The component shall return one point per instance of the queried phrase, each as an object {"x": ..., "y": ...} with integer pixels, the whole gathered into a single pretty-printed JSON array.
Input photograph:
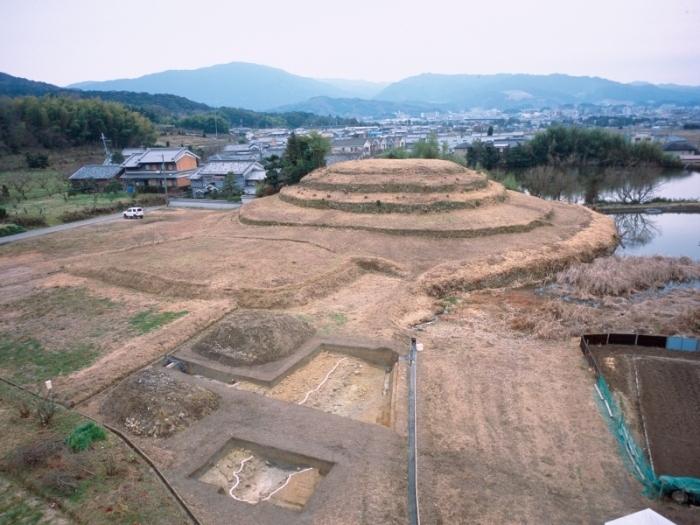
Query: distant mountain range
[
  {"x": 152, "y": 104},
  {"x": 258, "y": 87},
  {"x": 505, "y": 91},
  {"x": 237, "y": 84}
]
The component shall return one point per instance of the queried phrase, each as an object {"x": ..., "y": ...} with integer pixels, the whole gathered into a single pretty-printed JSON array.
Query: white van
[{"x": 134, "y": 213}]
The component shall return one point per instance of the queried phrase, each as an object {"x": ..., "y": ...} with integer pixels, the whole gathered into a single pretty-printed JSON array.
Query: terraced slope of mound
[{"x": 407, "y": 197}]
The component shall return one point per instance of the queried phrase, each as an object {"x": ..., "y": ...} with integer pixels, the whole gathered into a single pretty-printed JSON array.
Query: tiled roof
[
  {"x": 155, "y": 175},
  {"x": 349, "y": 142},
  {"x": 228, "y": 166},
  {"x": 155, "y": 155},
  {"x": 97, "y": 172}
]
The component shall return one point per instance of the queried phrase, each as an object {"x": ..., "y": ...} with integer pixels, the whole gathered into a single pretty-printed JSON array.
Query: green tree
[
  {"x": 230, "y": 188},
  {"x": 273, "y": 169},
  {"x": 117, "y": 157},
  {"x": 112, "y": 188},
  {"x": 427, "y": 148},
  {"x": 303, "y": 155}
]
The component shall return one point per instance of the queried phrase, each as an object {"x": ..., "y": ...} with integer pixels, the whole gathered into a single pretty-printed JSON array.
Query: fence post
[{"x": 413, "y": 511}]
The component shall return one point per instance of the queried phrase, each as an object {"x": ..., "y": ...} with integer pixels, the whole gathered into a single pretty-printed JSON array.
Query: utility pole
[
  {"x": 165, "y": 179},
  {"x": 108, "y": 153}
]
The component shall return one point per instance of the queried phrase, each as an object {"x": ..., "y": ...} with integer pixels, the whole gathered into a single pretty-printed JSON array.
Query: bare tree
[
  {"x": 20, "y": 182},
  {"x": 635, "y": 186},
  {"x": 635, "y": 229}
]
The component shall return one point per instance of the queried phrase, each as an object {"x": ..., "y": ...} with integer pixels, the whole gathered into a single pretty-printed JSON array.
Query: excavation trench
[
  {"x": 338, "y": 383},
  {"x": 252, "y": 474}
]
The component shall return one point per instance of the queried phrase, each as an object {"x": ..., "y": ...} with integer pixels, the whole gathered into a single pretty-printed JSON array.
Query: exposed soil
[
  {"x": 152, "y": 403},
  {"x": 253, "y": 338},
  {"x": 340, "y": 384},
  {"x": 251, "y": 478},
  {"x": 670, "y": 404},
  {"x": 509, "y": 430}
]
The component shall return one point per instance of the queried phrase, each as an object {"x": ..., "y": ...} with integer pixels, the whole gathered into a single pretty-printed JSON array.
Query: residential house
[
  {"x": 159, "y": 168},
  {"x": 679, "y": 147},
  {"x": 95, "y": 175},
  {"x": 210, "y": 178},
  {"x": 351, "y": 145}
]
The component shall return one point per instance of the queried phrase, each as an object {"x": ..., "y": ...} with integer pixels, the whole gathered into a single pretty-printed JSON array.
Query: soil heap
[
  {"x": 407, "y": 197},
  {"x": 152, "y": 403},
  {"x": 247, "y": 338}
]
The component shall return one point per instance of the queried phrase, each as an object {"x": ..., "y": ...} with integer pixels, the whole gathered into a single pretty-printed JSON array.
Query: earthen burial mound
[
  {"x": 247, "y": 338},
  {"x": 407, "y": 197}
]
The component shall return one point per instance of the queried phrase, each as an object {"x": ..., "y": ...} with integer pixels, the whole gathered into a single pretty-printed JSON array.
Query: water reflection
[
  {"x": 671, "y": 234},
  {"x": 635, "y": 229},
  {"x": 589, "y": 184}
]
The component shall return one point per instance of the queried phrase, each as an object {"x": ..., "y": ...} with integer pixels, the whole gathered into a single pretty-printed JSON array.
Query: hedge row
[
  {"x": 87, "y": 213},
  {"x": 10, "y": 229}
]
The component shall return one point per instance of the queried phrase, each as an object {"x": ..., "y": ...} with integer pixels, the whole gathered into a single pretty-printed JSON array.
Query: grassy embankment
[{"x": 57, "y": 331}]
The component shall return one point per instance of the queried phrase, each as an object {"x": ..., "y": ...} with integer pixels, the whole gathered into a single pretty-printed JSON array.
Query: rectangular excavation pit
[
  {"x": 253, "y": 473},
  {"x": 339, "y": 377},
  {"x": 336, "y": 382}
]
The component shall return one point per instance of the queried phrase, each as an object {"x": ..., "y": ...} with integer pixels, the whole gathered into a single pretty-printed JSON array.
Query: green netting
[{"x": 634, "y": 456}]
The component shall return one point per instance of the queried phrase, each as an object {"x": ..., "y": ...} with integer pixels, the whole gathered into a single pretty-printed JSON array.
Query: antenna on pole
[{"x": 108, "y": 153}]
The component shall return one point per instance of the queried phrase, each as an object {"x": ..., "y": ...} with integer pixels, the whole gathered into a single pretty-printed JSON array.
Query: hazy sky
[{"x": 65, "y": 41}]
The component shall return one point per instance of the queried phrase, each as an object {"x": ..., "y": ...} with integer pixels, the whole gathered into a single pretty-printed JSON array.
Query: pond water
[
  {"x": 587, "y": 185},
  {"x": 672, "y": 234}
]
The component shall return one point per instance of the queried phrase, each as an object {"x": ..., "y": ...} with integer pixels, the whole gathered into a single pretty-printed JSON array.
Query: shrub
[
  {"x": 84, "y": 435},
  {"x": 29, "y": 221},
  {"x": 38, "y": 160},
  {"x": 86, "y": 213},
  {"x": 3, "y": 213},
  {"x": 146, "y": 199},
  {"x": 45, "y": 411},
  {"x": 10, "y": 229},
  {"x": 75, "y": 215},
  {"x": 30, "y": 456}
]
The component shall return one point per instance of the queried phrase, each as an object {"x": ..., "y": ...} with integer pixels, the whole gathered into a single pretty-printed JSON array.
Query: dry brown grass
[
  {"x": 674, "y": 313},
  {"x": 522, "y": 266},
  {"x": 626, "y": 275}
]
